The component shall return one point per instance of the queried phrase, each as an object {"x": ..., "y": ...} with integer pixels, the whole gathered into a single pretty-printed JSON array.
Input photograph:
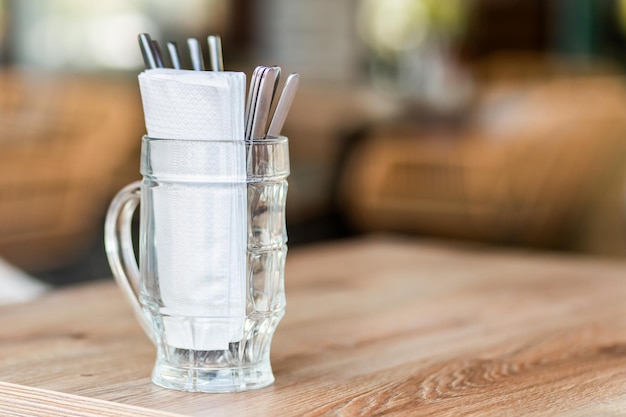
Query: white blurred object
[
  {"x": 411, "y": 44},
  {"x": 17, "y": 286},
  {"x": 84, "y": 35},
  {"x": 391, "y": 26}
]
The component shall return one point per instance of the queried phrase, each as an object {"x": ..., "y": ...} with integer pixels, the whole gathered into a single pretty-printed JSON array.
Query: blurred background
[{"x": 497, "y": 121}]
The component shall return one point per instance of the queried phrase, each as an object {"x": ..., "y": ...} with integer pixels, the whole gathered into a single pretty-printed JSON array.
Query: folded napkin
[
  {"x": 200, "y": 204},
  {"x": 203, "y": 105}
]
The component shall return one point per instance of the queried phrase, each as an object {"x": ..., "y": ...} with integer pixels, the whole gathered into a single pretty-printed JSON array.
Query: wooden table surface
[{"x": 373, "y": 326}]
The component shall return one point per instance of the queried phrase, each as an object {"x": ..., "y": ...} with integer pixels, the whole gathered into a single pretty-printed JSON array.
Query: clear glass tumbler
[{"x": 209, "y": 287}]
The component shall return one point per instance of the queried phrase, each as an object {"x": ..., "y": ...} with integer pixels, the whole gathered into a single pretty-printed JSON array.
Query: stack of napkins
[
  {"x": 200, "y": 204},
  {"x": 203, "y": 105}
]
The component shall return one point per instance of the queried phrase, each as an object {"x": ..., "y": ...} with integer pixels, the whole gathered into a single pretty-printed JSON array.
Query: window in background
[
  {"x": 314, "y": 38},
  {"x": 80, "y": 35}
]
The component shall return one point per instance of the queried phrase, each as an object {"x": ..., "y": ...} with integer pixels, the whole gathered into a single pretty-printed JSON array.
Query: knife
[
  {"x": 197, "y": 62},
  {"x": 145, "y": 44},
  {"x": 156, "y": 51}
]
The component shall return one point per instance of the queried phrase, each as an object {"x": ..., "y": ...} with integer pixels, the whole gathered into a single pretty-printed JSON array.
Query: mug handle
[{"x": 119, "y": 248}]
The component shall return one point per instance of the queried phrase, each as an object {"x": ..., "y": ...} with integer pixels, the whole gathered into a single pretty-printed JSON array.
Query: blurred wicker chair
[
  {"x": 545, "y": 166},
  {"x": 64, "y": 141}
]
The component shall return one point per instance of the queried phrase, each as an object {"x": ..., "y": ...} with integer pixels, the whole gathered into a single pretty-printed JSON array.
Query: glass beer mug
[{"x": 209, "y": 287}]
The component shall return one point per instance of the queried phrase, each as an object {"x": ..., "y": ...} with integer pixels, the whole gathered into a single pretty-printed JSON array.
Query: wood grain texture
[
  {"x": 18, "y": 400},
  {"x": 374, "y": 326}
]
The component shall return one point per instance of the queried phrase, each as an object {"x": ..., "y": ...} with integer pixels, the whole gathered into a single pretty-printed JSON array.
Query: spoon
[
  {"x": 264, "y": 102},
  {"x": 255, "y": 88},
  {"x": 284, "y": 104}
]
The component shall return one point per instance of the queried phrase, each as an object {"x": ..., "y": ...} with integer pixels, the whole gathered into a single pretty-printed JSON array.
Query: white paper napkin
[
  {"x": 182, "y": 104},
  {"x": 200, "y": 227}
]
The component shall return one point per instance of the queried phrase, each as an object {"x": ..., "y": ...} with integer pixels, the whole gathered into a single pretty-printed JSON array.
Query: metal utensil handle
[
  {"x": 253, "y": 80},
  {"x": 215, "y": 53},
  {"x": 254, "y": 97},
  {"x": 195, "y": 51},
  {"x": 264, "y": 103},
  {"x": 284, "y": 104},
  {"x": 145, "y": 44},
  {"x": 172, "y": 48},
  {"x": 156, "y": 51},
  {"x": 277, "y": 71}
]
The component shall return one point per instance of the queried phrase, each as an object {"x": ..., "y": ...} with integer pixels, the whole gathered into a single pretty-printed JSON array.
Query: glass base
[{"x": 215, "y": 380}]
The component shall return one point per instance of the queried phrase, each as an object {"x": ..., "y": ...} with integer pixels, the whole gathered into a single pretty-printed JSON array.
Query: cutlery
[
  {"x": 215, "y": 53},
  {"x": 261, "y": 93},
  {"x": 257, "y": 76},
  {"x": 248, "y": 109},
  {"x": 276, "y": 68},
  {"x": 197, "y": 62},
  {"x": 264, "y": 103},
  {"x": 174, "y": 56},
  {"x": 284, "y": 104},
  {"x": 145, "y": 44},
  {"x": 156, "y": 51}
]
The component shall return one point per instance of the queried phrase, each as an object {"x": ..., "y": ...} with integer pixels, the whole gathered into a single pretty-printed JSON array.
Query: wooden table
[{"x": 373, "y": 326}]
